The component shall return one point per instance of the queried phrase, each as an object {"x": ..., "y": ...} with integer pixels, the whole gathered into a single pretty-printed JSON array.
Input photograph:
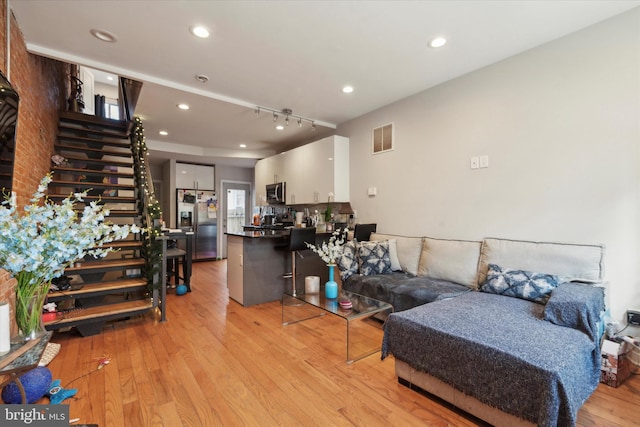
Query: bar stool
[
  {"x": 298, "y": 238},
  {"x": 174, "y": 257},
  {"x": 362, "y": 232}
]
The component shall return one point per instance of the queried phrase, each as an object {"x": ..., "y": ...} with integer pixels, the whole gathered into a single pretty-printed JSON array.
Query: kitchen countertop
[{"x": 253, "y": 234}]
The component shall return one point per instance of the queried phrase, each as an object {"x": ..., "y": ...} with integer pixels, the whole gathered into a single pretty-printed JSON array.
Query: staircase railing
[{"x": 150, "y": 209}]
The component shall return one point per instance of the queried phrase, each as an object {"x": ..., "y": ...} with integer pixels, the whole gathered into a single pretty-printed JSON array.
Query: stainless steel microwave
[{"x": 276, "y": 193}]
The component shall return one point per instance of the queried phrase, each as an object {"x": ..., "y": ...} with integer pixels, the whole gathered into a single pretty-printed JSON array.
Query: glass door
[{"x": 236, "y": 212}]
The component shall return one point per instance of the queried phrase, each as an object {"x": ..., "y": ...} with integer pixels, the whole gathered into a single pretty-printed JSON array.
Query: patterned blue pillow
[
  {"x": 522, "y": 284},
  {"x": 348, "y": 261},
  {"x": 373, "y": 257}
]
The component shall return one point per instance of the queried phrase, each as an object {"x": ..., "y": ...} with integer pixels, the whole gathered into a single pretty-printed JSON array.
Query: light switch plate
[{"x": 484, "y": 161}]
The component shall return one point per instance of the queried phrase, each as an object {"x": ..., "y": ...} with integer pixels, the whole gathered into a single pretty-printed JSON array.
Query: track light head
[
  {"x": 313, "y": 126},
  {"x": 275, "y": 117}
]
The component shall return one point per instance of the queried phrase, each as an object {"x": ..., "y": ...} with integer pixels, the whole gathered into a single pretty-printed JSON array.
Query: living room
[{"x": 560, "y": 127}]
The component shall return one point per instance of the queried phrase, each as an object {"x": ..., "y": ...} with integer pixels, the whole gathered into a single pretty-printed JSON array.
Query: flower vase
[
  {"x": 331, "y": 287},
  {"x": 29, "y": 311}
]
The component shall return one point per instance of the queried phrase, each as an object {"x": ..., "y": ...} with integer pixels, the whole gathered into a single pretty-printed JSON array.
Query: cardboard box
[{"x": 615, "y": 366}]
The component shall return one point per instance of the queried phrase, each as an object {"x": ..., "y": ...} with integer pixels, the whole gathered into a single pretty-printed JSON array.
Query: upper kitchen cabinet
[
  {"x": 200, "y": 177},
  {"x": 310, "y": 172},
  {"x": 326, "y": 171},
  {"x": 270, "y": 170}
]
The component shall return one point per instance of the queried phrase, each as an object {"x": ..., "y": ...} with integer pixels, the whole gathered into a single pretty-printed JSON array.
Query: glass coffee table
[{"x": 359, "y": 343}]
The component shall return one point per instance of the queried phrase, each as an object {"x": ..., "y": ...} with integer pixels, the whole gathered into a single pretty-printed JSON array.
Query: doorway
[{"x": 236, "y": 210}]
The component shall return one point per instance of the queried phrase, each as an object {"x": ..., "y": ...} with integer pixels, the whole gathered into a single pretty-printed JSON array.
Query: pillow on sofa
[
  {"x": 575, "y": 261},
  {"x": 373, "y": 257},
  {"x": 348, "y": 261},
  {"x": 408, "y": 249},
  {"x": 536, "y": 287},
  {"x": 451, "y": 260}
]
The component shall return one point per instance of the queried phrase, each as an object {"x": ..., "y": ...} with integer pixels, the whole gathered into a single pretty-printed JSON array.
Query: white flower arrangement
[
  {"x": 331, "y": 250},
  {"x": 37, "y": 245}
]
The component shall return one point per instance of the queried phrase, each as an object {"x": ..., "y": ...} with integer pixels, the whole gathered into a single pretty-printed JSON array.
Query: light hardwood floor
[{"x": 216, "y": 363}]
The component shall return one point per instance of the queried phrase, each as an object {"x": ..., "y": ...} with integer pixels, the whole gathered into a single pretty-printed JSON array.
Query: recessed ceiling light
[
  {"x": 437, "y": 42},
  {"x": 243, "y": 145},
  {"x": 110, "y": 78},
  {"x": 163, "y": 133},
  {"x": 202, "y": 78},
  {"x": 279, "y": 127},
  {"x": 183, "y": 106},
  {"x": 103, "y": 35},
  {"x": 347, "y": 89},
  {"x": 199, "y": 31}
]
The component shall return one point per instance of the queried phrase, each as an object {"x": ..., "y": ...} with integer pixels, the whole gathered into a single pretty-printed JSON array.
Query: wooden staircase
[{"x": 99, "y": 159}]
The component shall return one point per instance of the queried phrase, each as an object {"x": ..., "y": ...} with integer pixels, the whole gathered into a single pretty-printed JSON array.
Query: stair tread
[
  {"x": 112, "y": 285},
  {"x": 92, "y": 172},
  {"x": 105, "y": 162},
  {"x": 103, "y": 198},
  {"x": 113, "y": 141},
  {"x": 123, "y": 244},
  {"x": 120, "y": 308},
  {"x": 105, "y": 263},
  {"x": 66, "y": 147},
  {"x": 89, "y": 119},
  {"x": 93, "y": 184}
]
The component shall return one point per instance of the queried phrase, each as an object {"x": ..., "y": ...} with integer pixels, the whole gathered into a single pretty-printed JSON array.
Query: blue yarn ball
[
  {"x": 36, "y": 383},
  {"x": 181, "y": 289}
]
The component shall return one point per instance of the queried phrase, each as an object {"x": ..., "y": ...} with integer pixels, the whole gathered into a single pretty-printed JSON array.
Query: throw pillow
[
  {"x": 373, "y": 258},
  {"x": 520, "y": 284},
  {"x": 348, "y": 261}
]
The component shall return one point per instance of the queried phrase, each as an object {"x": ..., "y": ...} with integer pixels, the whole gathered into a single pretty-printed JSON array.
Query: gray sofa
[
  {"x": 422, "y": 270},
  {"x": 511, "y": 351}
]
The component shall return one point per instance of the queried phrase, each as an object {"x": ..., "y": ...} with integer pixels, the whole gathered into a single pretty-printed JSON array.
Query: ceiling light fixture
[
  {"x": 288, "y": 115},
  {"x": 163, "y": 133},
  {"x": 110, "y": 78},
  {"x": 103, "y": 35},
  {"x": 437, "y": 42},
  {"x": 347, "y": 89},
  {"x": 202, "y": 78},
  {"x": 243, "y": 145},
  {"x": 199, "y": 31},
  {"x": 183, "y": 106}
]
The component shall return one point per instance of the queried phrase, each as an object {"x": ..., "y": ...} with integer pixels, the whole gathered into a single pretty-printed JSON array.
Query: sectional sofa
[{"x": 511, "y": 334}]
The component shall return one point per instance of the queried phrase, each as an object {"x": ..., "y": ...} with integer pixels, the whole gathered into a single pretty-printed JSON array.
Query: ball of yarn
[
  {"x": 181, "y": 289},
  {"x": 36, "y": 383}
]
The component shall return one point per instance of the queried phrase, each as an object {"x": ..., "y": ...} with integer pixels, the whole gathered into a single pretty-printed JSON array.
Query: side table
[{"x": 22, "y": 358}]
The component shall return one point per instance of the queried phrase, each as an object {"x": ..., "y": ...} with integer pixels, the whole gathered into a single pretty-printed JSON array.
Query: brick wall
[{"x": 41, "y": 84}]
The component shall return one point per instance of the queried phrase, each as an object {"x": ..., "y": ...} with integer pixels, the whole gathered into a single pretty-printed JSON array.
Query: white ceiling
[{"x": 286, "y": 54}]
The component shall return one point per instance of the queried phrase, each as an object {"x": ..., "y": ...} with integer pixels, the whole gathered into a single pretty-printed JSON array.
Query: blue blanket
[{"x": 501, "y": 351}]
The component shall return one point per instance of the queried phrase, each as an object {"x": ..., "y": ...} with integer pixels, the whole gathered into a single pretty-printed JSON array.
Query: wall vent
[{"x": 383, "y": 138}]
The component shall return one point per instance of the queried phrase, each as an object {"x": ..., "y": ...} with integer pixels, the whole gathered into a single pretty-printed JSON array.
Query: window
[{"x": 383, "y": 138}]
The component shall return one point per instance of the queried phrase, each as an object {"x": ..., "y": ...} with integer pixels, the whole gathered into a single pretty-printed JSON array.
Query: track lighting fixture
[{"x": 288, "y": 114}]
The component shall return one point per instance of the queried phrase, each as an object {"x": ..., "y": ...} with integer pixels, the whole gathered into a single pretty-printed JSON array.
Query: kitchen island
[{"x": 257, "y": 261}]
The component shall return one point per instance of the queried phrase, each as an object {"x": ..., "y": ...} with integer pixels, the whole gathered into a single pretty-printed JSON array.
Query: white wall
[{"x": 561, "y": 126}]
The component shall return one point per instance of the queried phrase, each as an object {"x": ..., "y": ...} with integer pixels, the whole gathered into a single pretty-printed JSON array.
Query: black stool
[
  {"x": 362, "y": 232},
  {"x": 298, "y": 238},
  {"x": 174, "y": 256}
]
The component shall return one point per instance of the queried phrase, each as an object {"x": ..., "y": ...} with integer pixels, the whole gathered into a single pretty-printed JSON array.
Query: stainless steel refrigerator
[{"x": 197, "y": 211}]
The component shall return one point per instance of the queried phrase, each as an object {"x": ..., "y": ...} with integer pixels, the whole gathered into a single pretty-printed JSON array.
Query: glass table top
[{"x": 362, "y": 306}]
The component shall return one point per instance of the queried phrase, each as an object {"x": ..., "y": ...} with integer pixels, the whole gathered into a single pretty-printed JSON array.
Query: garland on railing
[{"x": 149, "y": 206}]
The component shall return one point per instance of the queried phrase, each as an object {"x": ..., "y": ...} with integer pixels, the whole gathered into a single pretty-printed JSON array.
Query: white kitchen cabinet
[
  {"x": 310, "y": 172},
  {"x": 320, "y": 168},
  {"x": 199, "y": 177},
  {"x": 270, "y": 170}
]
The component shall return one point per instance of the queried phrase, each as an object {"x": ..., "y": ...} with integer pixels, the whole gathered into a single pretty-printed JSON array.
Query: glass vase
[
  {"x": 29, "y": 302},
  {"x": 331, "y": 287}
]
